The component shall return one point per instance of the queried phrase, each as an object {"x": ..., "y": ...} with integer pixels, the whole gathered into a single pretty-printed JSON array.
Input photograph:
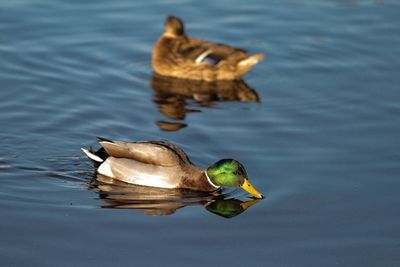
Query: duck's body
[
  {"x": 177, "y": 55},
  {"x": 150, "y": 163},
  {"x": 164, "y": 165}
]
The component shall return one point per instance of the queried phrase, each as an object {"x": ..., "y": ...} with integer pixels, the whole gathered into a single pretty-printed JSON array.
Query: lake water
[{"x": 317, "y": 125}]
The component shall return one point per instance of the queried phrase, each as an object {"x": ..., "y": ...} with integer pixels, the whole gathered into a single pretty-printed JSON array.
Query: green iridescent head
[{"x": 229, "y": 172}]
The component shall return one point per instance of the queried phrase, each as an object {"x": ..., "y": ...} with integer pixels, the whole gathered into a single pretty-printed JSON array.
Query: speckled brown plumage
[{"x": 177, "y": 55}]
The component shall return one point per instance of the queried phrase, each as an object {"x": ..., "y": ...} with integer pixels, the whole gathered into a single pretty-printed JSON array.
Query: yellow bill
[{"x": 250, "y": 189}]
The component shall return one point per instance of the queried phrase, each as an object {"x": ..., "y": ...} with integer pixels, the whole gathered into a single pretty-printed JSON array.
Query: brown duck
[{"x": 177, "y": 55}]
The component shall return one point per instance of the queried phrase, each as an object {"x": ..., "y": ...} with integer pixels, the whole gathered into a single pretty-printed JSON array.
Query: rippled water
[{"x": 316, "y": 124}]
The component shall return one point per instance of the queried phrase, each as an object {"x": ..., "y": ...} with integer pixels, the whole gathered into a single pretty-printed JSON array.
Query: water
[{"x": 318, "y": 132}]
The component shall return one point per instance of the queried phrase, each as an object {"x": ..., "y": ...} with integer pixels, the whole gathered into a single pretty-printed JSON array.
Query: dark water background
[{"x": 322, "y": 144}]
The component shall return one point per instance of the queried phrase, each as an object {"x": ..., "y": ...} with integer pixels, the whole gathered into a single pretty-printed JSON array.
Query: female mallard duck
[
  {"x": 165, "y": 165},
  {"x": 177, "y": 55}
]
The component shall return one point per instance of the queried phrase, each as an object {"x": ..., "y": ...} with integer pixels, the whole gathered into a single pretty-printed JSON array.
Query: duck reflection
[
  {"x": 171, "y": 95},
  {"x": 160, "y": 202}
]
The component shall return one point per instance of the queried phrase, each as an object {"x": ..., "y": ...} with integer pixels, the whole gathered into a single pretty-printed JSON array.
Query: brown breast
[{"x": 195, "y": 179}]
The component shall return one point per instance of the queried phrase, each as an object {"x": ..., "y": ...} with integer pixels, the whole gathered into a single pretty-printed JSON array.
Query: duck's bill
[{"x": 250, "y": 189}]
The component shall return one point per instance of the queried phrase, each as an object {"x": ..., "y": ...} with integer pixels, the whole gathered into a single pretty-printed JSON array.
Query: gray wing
[{"x": 151, "y": 152}]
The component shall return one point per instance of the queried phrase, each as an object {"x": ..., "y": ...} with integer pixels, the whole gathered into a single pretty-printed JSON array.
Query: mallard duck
[
  {"x": 177, "y": 55},
  {"x": 164, "y": 165}
]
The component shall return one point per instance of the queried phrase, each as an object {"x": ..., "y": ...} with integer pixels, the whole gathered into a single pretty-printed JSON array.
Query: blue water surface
[{"x": 318, "y": 132}]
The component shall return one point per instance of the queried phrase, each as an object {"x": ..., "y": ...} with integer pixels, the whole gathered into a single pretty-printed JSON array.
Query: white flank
[
  {"x": 91, "y": 155},
  {"x": 134, "y": 172},
  {"x": 105, "y": 169}
]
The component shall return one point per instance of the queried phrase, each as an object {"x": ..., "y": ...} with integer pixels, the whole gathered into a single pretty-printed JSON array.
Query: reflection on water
[
  {"x": 170, "y": 126},
  {"x": 159, "y": 201},
  {"x": 171, "y": 96}
]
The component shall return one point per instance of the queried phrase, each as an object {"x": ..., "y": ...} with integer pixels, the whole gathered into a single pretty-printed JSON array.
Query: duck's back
[
  {"x": 151, "y": 163},
  {"x": 196, "y": 59},
  {"x": 175, "y": 57}
]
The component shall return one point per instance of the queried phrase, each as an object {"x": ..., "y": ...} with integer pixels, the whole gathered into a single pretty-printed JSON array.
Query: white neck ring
[{"x": 209, "y": 180}]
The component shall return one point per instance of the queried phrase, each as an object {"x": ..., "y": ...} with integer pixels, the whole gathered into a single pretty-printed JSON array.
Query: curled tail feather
[{"x": 92, "y": 155}]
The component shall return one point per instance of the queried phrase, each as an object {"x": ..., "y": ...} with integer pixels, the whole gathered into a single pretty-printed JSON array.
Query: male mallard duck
[
  {"x": 165, "y": 165},
  {"x": 177, "y": 55}
]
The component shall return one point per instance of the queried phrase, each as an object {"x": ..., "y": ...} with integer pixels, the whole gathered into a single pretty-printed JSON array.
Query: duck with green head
[{"x": 164, "y": 165}]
